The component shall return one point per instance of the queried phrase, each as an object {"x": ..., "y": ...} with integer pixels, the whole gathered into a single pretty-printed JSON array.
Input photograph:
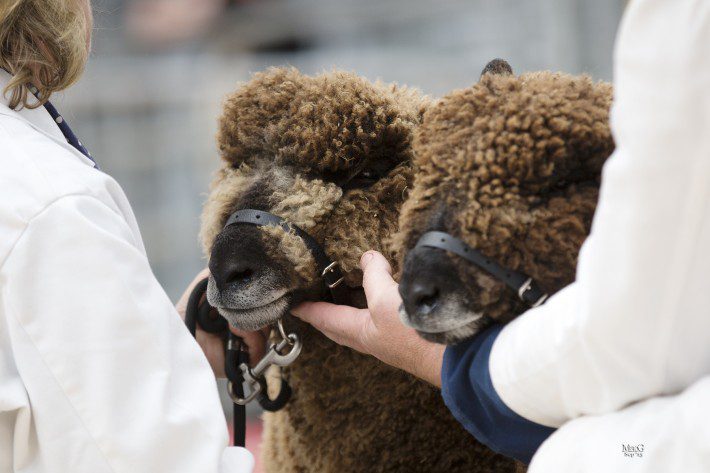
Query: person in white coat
[
  {"x": 619, "y": 361},
  {"x": 97, "y": 371}
]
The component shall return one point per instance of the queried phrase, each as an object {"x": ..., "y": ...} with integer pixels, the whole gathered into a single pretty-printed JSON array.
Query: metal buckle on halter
[
  {"x": 255, "y": 377},
  {"x": 330, "y": 269},
  {"x": 527, "y": 285}
]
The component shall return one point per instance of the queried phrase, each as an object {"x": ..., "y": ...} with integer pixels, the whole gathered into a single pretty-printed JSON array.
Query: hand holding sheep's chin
[
  {"x": 212, "y": 344},
  {"x": 377, "y": 330}
]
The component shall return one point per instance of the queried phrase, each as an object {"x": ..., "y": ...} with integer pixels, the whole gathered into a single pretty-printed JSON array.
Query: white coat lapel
[{"x": 37, "y": 118}]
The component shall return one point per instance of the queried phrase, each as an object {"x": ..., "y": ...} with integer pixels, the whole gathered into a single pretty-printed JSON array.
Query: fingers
[
  {"x": 342, "y": 324},
  {"x": 181, "y": 305},
  {"x": 380, "y": 289},
  {"x": 200, "y": 276},
  {"x": 255, "y": 341},
  {"x": 213, "y": 349}
]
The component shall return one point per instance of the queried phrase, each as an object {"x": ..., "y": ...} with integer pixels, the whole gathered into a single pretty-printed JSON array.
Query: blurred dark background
[{"x": 148, "y": 103}]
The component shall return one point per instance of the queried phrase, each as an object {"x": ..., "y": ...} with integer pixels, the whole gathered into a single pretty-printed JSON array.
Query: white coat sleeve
[
  {"x": 114, "y": 380},
  {"x": 662, "y": 434},
  {"x": 635, "y": 323}
]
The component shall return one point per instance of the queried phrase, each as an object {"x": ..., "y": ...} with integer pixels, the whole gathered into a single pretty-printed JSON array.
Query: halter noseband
[
  {"x": 238, "y": 371},
  {"x": 328, "y": 269},
  {"x": 523, "y": 285}
]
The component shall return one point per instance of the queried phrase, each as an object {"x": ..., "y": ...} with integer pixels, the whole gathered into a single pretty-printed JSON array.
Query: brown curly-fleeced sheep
[
  {"x": 331, "y": 153},
  {"x": 512, "y": 167}
]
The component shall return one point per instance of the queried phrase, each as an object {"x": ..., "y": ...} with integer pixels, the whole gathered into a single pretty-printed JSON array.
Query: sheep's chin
[
  {"x": 256, "y": 318},
  {"x": 450, "y": 325},
  {"x": 451, "y": 337}
]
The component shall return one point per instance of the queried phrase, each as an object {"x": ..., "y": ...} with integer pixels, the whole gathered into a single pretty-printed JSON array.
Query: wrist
[{"x": 426, "y": 362}]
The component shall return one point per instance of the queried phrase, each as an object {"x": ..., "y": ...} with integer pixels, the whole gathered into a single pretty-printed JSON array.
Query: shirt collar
[{"x": 39, "y": 118}]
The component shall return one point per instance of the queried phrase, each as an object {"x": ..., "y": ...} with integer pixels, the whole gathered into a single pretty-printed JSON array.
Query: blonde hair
[{"x": 43, "y": 43}]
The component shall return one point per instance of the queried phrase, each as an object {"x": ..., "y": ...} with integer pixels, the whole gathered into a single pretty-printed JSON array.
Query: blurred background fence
[{"x": 148, "y": 104}]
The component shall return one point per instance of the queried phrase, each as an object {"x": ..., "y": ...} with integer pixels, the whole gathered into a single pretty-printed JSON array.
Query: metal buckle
[
  {"x": 254, "y": 377},
  {"x": 540, "y": 301},
  {"x": 282, "y": 332},
  {"x": 526, "y": 287},
  {"x": 329, "y": 269}
]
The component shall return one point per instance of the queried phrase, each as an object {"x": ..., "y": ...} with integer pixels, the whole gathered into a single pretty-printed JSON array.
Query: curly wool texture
[
  {"x": 365, "y": 219},
  {"x": 227, "y": 185},
  {"x": 328, "y": 123},
  {"x": 349, "y": 412},
  {"x": 512, "y": 166},
  {"x": 303, "y": 202},
  {"x": 289, "y": 246},
  {"x": 306, "y": 202}
]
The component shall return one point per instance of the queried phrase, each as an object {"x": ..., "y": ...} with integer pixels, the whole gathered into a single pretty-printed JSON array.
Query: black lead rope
[
  {"x": 200, "y": 313},
  {"x": 523, "y": 285},
  {"x": 236, "y": 355}
]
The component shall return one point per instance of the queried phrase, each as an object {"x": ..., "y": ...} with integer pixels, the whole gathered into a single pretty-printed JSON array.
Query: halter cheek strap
[
  {"x": 328, "y": 269},
  {"x": 523, "y": 285}
]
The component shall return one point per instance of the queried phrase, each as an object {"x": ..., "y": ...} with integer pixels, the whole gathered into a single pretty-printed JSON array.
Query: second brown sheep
[{"x": 512, "y": 167}]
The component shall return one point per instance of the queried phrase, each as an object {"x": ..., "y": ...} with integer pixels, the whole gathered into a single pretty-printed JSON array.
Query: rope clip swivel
[{"x": 255, "y": 378}]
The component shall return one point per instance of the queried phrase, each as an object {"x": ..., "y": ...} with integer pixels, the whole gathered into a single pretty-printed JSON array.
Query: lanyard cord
[
  {"x": 64, "y": 127},
  {"x": 67, "y": 132}
]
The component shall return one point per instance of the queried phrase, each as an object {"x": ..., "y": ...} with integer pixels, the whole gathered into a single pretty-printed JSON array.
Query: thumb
[{"x": 377, "y": 281}]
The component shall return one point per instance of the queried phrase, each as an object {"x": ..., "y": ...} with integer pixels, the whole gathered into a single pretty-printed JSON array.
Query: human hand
[
  {"x": 212, "y": 344},
  {"x": 377, "y": 330}
]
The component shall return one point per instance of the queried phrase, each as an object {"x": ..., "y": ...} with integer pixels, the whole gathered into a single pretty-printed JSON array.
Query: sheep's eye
[{"x": 362, "y": 180}]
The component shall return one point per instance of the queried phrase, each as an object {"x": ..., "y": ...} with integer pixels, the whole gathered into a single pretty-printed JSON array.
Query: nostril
[
  {"x": 424, "y": 297},
  {"x": 426, "y": 303},
  {"x": 239, "y": 276}
]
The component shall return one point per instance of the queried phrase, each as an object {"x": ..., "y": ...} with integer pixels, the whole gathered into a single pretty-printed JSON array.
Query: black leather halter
[
  {"x": 526, "y": 288},
  {"x": 199, "y": 313},
  {"x": 328, "y": 270}
]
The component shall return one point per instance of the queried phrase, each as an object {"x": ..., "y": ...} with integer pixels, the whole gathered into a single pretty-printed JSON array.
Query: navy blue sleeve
[{"x": 468, "y": 392}]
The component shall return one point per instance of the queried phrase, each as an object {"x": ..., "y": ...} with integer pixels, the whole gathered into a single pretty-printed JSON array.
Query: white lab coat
[
  {"x": 636, "y": 323},
  {"x": 97, "y": 372}
]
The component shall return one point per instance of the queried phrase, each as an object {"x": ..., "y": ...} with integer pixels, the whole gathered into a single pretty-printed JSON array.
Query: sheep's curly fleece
[
  {"x": 512, "y": 166},
  {"x": 349, "y": 412}
]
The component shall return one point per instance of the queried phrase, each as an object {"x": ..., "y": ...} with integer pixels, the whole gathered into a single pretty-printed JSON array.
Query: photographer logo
[{"x": 632, "y": 451}]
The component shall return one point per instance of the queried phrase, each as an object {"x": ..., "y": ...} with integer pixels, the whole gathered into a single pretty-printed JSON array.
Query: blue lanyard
[
  {"x": 65, "y": 129},
  {"x": 68, "y": 133}
]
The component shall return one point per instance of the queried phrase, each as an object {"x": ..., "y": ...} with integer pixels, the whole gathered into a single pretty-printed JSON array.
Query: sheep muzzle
[
  {"x": 248, "y": 285},
  {"x": 242, "y": 278},
  {"x": 435, "y": 302}
]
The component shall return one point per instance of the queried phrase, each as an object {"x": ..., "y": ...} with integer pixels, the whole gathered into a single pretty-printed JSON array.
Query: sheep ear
[{"x": 497, "y": 67}]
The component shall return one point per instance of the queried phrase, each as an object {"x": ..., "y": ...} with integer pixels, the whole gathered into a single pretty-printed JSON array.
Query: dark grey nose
[
  {"x": 238, "y": 259},
  {"x": 421, "y": 296},
  {"x": 428, "y": 280},
  {"x": 232, "y": 272}
]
